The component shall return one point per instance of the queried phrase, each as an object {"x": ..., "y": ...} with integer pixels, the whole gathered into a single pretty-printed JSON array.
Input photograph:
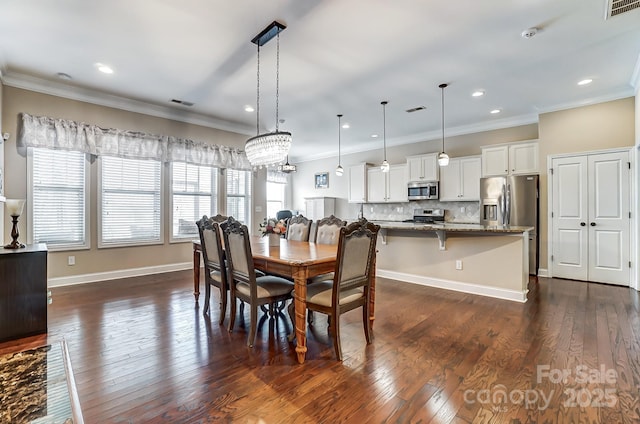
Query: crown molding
[
  {"x": 59, "y": 89},
  {"x": 608, "y": 97},
  {"x": 635, "y": 77}
]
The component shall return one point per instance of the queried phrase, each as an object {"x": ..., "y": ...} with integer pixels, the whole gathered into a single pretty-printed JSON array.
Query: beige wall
[
  {"x": 602, "y": 126},
  {"x": 96, "y": 260}
]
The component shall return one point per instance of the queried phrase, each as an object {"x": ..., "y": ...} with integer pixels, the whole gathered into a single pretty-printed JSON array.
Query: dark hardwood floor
[{"x": 143, "y": 353}]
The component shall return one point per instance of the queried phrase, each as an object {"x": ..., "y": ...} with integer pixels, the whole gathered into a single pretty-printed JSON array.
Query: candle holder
[{"x": 14, "y": 207}]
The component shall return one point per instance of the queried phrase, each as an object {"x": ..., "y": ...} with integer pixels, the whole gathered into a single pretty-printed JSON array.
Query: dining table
[{"x": 295, "y": 260}]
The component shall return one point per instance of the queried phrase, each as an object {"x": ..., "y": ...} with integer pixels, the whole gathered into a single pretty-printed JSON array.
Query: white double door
[{"x": 591, "y": 218}]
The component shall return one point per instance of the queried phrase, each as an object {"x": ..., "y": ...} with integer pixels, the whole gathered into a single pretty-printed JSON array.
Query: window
[
  {"x": 130, "y": 202},
  {"x": 194, "y": 193},
  {"x": 275, "y": 198},
  {"x": 57, "y": 201},
  {"x": 239, "y": 195}
]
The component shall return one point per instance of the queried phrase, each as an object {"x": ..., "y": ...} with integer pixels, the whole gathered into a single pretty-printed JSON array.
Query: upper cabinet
[
  {"x": 387, "y": 187},
  {"x": 423, "y": 167},
  {"x": 510, "y": 159},
  {"x": 357, "y": 183},
  {"x": 460, "y": 180}
]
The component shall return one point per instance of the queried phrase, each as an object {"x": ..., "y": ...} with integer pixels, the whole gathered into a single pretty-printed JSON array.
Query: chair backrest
[
  {"x": 355, "y": 257},
  {"x": 238, "y": 250},
  {"x": 284, "y": 214},
  {"x": 328, "y": 230},
  {"x": 211, "y": 241},
  {"x": 298, "y": 228}
]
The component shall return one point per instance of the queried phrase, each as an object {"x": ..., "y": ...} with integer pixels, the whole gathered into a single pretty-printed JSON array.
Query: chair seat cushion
[
  {"x": 320, "y": 278},
  {"x": 268, "y": 286},
  {"x": 216, "y": 276},
  {"x": 320, "y": 294}
]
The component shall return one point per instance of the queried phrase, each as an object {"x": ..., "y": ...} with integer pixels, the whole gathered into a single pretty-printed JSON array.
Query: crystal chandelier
[
  {"x": 268, "y": 149},
  {"x": 443, "y": 157}
]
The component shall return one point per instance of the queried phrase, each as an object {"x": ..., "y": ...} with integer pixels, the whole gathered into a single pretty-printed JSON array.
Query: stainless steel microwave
[{"x": 423, "y": 190}]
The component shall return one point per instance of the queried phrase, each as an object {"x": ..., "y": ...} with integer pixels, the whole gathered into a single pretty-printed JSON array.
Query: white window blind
[
  {"x": 58, "y": 206},
  {"x": 194, "y": 194},
  {"x": 130, "y": 200},
  {"x": 239, "y": 195}
]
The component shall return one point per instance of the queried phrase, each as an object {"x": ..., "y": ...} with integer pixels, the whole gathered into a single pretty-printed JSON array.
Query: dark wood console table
[{"x": 23, "y": 292}]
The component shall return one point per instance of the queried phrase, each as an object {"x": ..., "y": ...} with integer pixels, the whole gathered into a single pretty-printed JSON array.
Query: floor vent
[{"x": 618, "y": 7}]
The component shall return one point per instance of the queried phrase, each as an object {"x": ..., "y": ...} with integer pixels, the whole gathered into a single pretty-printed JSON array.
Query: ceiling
[{"x": 335, "y": 57}]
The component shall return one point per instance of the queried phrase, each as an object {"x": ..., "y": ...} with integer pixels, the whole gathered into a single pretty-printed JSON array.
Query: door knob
[
  {"x": 593, "y": 224},
  {"x": 582, "y": 224}
]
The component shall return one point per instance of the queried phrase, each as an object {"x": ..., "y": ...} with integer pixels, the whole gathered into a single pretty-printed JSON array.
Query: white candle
[{"x": 15, "y": 206}]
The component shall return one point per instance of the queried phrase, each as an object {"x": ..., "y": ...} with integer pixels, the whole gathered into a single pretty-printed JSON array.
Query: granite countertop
[{"x": 450, "y": 227}]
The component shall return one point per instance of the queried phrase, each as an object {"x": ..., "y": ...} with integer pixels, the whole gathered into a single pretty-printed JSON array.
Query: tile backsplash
[{"x": 467, "y": 212}]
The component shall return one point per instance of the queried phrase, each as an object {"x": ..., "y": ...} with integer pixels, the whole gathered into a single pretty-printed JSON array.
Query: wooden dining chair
[
  {"x": 243, "y": 282},
  {"x": 350, "y": 287},
  {"x": 298, "y": 228},
  {"x": 214, "y": 261}
]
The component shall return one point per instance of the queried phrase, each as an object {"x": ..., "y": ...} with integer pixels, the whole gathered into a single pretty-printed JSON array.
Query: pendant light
[
  {"x": 339, "y": 169},
  {"x": 443, "y": 158},
  {"x": 268, "y": 149},
  {"x": 385, "y": 165},
  {"x": 287, "y": 168}
]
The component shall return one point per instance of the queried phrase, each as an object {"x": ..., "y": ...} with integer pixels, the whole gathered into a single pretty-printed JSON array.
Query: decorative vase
[{"x": 274, "y": 239}]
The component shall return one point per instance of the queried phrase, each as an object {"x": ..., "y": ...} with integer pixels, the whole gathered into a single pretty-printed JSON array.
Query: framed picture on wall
[{"x": 322, "y": 180}]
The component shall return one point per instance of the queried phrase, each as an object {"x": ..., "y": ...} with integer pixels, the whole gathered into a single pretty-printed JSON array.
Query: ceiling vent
[
  {"x": 618, "y": 7},
  {"x": 181, "y": 102},
  {"x": 415, "y": 109}
]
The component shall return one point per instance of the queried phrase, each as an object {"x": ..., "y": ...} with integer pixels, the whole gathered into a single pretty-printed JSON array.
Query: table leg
[
  {"x": 196, "y": 272},
  {"x": 300, "y": 299}
]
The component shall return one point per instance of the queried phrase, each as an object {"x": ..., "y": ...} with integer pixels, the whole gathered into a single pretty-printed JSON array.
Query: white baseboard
[
  {"x": 112, "y": 275},
  {"x": 543, "y": 272},
  {"x": 499, "y": 293}
]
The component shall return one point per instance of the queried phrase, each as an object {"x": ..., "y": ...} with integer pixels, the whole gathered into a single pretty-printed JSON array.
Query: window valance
[
  {"x": 276, "y": 177},
  {"x": 63, "y": 134}
]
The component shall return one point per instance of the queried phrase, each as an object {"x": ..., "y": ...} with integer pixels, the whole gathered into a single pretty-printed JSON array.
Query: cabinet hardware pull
[
  {"x": 593, "y": 224},
  {"x": 582, "y": 224}
]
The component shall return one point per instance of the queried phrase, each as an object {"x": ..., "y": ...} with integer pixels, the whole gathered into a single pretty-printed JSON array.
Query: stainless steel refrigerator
[{"x": 512, "y": 200}]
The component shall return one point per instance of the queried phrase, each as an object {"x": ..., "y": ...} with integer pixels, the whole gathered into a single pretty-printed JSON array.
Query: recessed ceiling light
[
  {"x": 585, "y": 81},
  {"x": 249, "y": 108},
  {"x": 345, "y": 126},
  {"x": 105, "y": 69},
  {"x": 478, "y": 93},
  {"x": 374, "y": 135},
  {"x": 494, "y": 111}
]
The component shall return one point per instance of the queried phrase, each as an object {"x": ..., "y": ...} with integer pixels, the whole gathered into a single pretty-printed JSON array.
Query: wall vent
[
  {"x": 181, "y": 102},
  {"x": 618, "y": 7}
]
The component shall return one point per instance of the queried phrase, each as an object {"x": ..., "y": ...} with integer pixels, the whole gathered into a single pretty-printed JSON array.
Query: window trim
[
  {"x": 136, "y": 243},
  {"x": 214, "y": 171},
  {"x": 87, "y": 207}
]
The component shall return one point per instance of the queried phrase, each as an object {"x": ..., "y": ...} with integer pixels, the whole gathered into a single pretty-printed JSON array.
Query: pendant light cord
[
  {"x": 258, "y": 95},
  {"x": 443, "y": 86},
  {"x": 339, "y": 131},
  {"x": 384, "y": 127},
  {"x": 277, "y": 79}
]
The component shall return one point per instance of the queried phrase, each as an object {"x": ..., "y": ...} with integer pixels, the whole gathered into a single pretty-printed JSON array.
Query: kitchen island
[{"x": 471, "y": 258}]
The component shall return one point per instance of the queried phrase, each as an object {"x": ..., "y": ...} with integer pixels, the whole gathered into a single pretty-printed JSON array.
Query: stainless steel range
[{"x": 427, "y": 216}]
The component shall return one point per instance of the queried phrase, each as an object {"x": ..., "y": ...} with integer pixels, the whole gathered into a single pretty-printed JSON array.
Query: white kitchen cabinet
[
  {"x": 357, "y": 183},
  {"x": 460, "y": 180},
  {"x": 510, "y": 159},
  {"x": 423, "y": 167},
  {"x": 319, "y": 207},
  {"x": 386, "y": 187}
]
